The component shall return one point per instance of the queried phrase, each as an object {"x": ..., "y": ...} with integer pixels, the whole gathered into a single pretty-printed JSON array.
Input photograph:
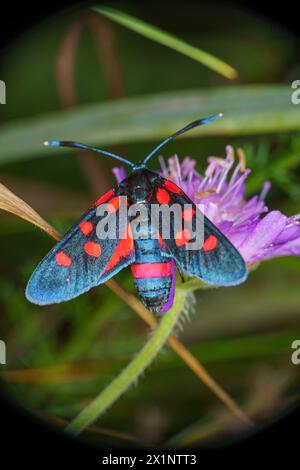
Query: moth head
[{"x": 138, "y": 186}]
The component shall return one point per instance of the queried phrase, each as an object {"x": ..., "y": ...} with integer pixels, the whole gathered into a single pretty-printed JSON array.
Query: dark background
[{"x": 18, "y": 430}]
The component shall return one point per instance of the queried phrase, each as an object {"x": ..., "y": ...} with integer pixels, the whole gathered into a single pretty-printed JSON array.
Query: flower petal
[
  {"x": 262, "y": 236},
  {"x": 119, "y": 173}
]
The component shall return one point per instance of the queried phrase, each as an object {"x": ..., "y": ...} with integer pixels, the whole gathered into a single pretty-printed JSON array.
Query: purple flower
[
  {"x": 119, "y": 173},
  {"x": 255, "y": 231}
]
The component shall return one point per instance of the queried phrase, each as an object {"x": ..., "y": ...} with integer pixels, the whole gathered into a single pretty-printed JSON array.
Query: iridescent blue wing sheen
[
  {"x": 80, "y": 260},
  {"x": 217, "y": 262}
]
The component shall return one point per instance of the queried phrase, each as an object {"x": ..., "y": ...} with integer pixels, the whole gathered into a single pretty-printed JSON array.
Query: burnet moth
[{"x": 82, "y": 259}]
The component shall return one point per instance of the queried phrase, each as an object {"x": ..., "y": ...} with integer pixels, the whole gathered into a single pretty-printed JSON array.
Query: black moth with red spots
[{"x": 81, "y": 260}]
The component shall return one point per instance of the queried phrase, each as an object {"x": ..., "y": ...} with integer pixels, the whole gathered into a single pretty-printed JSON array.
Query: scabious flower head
[{"x": 256, "y": 232}]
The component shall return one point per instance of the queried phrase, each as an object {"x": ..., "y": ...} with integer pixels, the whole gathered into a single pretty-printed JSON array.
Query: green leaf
[
  {"x": 247, "y": 110},
  {"x": 167, "y": 39}
]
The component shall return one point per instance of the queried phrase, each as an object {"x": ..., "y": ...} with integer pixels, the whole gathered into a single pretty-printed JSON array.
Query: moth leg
[{"x": 181, "y": 274}]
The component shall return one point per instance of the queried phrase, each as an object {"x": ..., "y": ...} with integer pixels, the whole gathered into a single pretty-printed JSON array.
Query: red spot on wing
[
  {"x": 86, "y": 227},
  {"x": 172, "y": 187},
  {"x": 188, "y": 214},
  {"x": 62, "y": 259},
  {"x": 123, "y": 250},
  {"x": 104, "y": 198},
  {"x": 148, "y": 270},
  {"x": 210, "y": 243},
  {"x": 182, "y": 237},
  {"x": 162, "y": 196},
  {"x": 114, "y": 204},
  {"x": 92, "y": 249}
]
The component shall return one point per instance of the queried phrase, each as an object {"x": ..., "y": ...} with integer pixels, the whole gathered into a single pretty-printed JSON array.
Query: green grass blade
[
  {"x": 247, "y": 110},
  {"x": 162, "y": 37}
]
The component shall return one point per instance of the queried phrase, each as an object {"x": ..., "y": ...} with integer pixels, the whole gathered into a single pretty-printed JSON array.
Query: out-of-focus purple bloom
[
  {"x": 255, "y": 231},
  {"x": 119, "y": 173}
]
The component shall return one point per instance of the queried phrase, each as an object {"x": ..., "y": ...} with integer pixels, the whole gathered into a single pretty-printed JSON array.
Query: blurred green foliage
[{"x": 60, "y": 357}]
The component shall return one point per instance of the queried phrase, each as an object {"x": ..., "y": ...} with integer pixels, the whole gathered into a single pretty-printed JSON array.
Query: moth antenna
[
  {"x": 78, "y": 145},
  {"x": 190, "y": 126}
]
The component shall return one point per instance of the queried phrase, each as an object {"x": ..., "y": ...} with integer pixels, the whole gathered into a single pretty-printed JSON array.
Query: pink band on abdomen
[{"x": 145, "y": 270}]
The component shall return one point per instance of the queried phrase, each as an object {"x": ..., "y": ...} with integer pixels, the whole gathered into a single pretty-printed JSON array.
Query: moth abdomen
[{"x": 153, "y": 283}]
